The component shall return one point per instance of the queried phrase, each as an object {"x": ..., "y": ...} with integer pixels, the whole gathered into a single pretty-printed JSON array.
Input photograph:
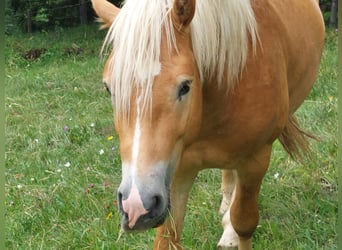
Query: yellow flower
[
  {"x": 109, "y": 138},
  {"x": 110, "y": 215},
  {"x": 331, "y": 98}
]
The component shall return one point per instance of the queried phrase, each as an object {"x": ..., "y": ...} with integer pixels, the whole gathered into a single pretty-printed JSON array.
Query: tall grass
[{"x": 63, "y": 165}]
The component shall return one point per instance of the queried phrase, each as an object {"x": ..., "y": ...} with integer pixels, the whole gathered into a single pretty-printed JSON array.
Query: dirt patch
[{"x": 33, "y": 54}]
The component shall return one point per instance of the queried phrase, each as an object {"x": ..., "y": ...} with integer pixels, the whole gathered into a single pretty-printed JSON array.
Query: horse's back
[{"x": 299, "y": 27}]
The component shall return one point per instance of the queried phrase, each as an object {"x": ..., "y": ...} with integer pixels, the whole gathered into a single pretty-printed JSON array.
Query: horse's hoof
[
  {"x": 227, "y": 245},
  {"x": 227, "y": 248},
  {"x": 229, "y": 239}
]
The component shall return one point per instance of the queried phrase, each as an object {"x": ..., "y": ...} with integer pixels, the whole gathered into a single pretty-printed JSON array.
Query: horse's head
[{"x": 156, "y": 93}]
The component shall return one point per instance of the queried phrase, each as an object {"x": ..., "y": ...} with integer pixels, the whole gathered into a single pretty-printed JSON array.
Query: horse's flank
[{"x": 220, "y": 50}]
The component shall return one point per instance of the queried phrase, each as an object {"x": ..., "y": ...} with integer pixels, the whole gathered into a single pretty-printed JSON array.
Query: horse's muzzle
[
  {"x": 150, "y": 213},
  {"x": 144, "y": 197}
]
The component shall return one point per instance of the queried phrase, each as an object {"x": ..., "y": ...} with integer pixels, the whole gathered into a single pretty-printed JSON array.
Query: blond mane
[{"x": 220, "y": 31}]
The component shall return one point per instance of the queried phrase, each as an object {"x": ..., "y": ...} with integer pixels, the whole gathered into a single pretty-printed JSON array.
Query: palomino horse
[{"x": 205, "y": 84}]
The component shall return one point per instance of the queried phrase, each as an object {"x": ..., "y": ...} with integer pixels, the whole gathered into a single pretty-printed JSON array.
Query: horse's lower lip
[{"x": 144, "y": 223}]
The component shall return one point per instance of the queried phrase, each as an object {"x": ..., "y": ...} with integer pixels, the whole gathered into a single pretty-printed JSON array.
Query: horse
[{"x": 205, "y": 84}]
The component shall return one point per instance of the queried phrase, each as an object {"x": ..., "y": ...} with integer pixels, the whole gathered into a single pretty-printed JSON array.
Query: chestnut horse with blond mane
[{"x": 205, "y": 84}]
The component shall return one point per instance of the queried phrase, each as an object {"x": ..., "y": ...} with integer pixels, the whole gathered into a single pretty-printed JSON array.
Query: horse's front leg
[
  {"x": 229, "y": 236},
  {"x": 241, "y": 218},
  {"x": 169, "y": 234},
  {"x": 227, "y": 189}
]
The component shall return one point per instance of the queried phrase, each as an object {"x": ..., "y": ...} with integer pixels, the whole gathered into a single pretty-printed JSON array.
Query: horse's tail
[{"x": 295, "y": 140}]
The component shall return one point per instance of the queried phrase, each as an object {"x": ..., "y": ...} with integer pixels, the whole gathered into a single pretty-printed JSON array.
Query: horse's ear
[
  {"x": 182, "y": 12},
  {"x": 106, "y": 12}
]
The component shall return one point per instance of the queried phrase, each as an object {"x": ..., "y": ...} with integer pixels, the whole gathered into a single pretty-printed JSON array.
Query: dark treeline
[
  {"x": 329, "y": 10},
  {"x": 38, "y": 15}
]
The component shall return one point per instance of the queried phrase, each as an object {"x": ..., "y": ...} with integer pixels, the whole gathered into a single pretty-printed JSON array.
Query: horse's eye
[{"x": 184, "y": 88}]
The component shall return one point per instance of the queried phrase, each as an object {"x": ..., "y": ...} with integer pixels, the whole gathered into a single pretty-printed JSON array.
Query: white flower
[
  {"x": 19, "y": 186},
  {"x": 101, "y": 152},
  {"x": 67, "y": 164},
  {"x": 276, "y": 175},
  {"x": 92, "y": 124}
]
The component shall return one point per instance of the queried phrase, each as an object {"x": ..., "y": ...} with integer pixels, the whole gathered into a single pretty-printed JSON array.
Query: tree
[
  {"x": 329, "y": 11},
  {"x": 83, "y": 12},
  {"x": 333, "y": 14}
]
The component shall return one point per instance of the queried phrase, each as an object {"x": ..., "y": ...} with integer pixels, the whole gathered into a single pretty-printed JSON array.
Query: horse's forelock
[{"x": 135, "y": 37}]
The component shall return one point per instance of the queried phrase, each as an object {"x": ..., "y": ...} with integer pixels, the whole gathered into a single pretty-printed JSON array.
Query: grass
[{"x": 63, "y": 166}]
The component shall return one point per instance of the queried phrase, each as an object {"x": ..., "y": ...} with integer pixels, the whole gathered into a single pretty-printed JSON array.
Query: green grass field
[{"x": 63, "y": 166}]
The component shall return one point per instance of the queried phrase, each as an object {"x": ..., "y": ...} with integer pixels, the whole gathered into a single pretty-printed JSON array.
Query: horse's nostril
[
  {"x": 120, "y": 201},
  {"x": 156, "y": 205}
]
